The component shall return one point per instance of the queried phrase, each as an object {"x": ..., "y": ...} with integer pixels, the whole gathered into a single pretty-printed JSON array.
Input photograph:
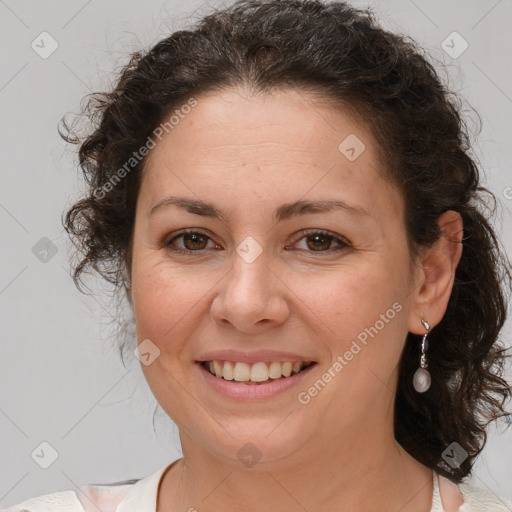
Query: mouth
[{"x": 258, "y": 373}]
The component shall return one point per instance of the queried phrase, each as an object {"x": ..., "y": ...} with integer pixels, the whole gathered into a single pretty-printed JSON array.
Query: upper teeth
[{"x": 257, "y": 372}]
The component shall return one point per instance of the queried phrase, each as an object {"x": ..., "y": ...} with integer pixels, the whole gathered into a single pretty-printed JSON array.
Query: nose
[{"x": 251, "y": 297}]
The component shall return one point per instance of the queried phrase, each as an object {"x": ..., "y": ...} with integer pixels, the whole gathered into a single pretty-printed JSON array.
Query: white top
[{"x": 141, "y": 497}]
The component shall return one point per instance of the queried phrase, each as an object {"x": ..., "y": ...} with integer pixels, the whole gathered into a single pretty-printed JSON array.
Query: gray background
[{"x": 61, "y": 377}]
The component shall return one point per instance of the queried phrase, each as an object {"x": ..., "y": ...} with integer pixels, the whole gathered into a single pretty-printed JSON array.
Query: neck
[{"x": 370, "y": 473}]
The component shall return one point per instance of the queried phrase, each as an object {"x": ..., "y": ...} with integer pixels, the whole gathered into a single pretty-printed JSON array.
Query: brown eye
[
  {"x": 321, "y": 242},
  {"x": 192, "y": 241}
]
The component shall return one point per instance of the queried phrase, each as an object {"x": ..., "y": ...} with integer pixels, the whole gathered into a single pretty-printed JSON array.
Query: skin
[{"x": 248, "y": 155}]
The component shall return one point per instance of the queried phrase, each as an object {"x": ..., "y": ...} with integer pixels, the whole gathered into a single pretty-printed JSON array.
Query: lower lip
[{"x": 242, "y": 391}]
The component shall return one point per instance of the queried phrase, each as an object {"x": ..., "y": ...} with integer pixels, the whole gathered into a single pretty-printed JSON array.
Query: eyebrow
[{"x": 283, "y": 212}]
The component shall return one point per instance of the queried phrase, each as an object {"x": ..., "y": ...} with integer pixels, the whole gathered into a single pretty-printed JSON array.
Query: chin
[{"x": 252, "y": 444}]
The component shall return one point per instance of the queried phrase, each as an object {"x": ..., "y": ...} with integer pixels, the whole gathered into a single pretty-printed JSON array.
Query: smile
[{"x": 255, "y": 373}]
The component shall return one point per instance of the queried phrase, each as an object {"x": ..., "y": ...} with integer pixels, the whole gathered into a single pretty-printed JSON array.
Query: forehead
[{"x": 284, "y": 144}]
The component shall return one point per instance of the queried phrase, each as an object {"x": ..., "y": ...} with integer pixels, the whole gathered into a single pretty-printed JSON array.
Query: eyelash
[{"x": 343, "y": 244}]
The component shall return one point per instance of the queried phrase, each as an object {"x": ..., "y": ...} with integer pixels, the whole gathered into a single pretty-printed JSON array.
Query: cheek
[
  {"x": 166, "y": 297},
  {"x": 353, "y": 297},
  {"x": 365, "y": 316},
  {"x": 152, "y": 300},
  {"x": 164, "y": 303}
]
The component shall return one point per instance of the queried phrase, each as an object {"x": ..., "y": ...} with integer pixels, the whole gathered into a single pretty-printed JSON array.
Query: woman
[{"x": 285, "y": 194}]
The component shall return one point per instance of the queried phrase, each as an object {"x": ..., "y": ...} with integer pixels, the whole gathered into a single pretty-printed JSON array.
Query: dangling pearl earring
[{"x": 421, "y": 379}]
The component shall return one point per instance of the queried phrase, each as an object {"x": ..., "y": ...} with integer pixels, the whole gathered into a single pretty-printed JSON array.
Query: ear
[{"x": 435, "y": 274}]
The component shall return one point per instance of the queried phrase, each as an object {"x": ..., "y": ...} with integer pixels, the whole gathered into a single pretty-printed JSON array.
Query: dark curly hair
[{"x": 343, "y": 55}]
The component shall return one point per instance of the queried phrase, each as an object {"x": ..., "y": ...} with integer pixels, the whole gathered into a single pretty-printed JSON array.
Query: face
[{"x": 264, "y": 276}]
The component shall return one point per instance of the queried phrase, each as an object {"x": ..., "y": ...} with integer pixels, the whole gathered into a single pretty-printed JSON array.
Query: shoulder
[
  {"x": 65, "y": 501},
  {"x": 128, "y": 496},
  {"x": 88, "y": 498},
  {"x": 481, "y": 500}
]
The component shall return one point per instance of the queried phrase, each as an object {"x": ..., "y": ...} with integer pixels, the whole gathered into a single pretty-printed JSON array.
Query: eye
[
  {"x": 193, "y": 241},
  {"x": 315, "y": 241},
  {"x": 321, "y": 241}
]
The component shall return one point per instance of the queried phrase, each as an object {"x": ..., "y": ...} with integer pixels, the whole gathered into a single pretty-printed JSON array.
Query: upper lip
[{"x": 251, "y": 357}]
